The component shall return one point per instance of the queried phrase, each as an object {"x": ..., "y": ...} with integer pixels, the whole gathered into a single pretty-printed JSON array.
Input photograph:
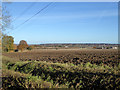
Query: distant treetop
[{"x": 22, "y": 45}]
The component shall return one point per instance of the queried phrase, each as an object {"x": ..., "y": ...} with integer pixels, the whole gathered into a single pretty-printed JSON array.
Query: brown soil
[{"x": 75, "y": 56}]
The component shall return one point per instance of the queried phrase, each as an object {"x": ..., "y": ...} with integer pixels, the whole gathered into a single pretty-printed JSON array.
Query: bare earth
[{"x": 75, "y": 56}]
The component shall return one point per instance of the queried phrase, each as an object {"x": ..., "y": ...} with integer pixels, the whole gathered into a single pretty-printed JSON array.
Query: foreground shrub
[{"x": 13, "y": 80}]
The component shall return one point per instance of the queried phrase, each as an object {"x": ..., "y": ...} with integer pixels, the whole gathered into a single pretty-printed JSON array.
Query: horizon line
[{"x": 67, "y": 43}]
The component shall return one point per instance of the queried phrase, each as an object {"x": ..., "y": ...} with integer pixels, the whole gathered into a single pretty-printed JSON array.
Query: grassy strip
[{"x": 67, "y": 66}]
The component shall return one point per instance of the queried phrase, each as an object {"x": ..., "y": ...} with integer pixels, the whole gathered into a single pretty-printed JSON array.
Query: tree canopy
[
  {"x": 7, "y": 43},
  {"x": 22, "y": 45}
]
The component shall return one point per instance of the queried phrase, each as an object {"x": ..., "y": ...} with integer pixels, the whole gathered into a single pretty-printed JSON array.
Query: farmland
[
  {"x": 75, "y": 56},
  {"x": 62, "y": 68}
]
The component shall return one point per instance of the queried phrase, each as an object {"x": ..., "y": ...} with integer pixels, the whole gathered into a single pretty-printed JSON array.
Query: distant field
[
  {"x": 75, "y": 56},
  {"x": 62, "y": 68}
]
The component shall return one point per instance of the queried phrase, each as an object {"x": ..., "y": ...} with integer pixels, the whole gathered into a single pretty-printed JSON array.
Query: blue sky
[{"x": 67, "y": 22}]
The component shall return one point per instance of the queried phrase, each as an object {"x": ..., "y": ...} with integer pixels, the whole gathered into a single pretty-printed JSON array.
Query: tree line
[{"x": 8, "y": 45}]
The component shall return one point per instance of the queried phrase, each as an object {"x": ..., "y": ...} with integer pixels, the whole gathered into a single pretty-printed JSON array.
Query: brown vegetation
[{"x": 22, "y": 45}]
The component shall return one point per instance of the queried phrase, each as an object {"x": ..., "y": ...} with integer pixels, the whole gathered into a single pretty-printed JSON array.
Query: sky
[{"x": 64, "y": 22}]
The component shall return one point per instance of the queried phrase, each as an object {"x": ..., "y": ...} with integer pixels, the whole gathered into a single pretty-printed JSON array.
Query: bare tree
[
  {"x": 5, "y": 24},
  {"x": 6, "y": 20}
]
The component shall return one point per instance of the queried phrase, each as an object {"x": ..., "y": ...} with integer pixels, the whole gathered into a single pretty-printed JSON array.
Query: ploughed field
[
  {"x": 75, "y": 56},
  {"x": 62, "y": 68}
]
